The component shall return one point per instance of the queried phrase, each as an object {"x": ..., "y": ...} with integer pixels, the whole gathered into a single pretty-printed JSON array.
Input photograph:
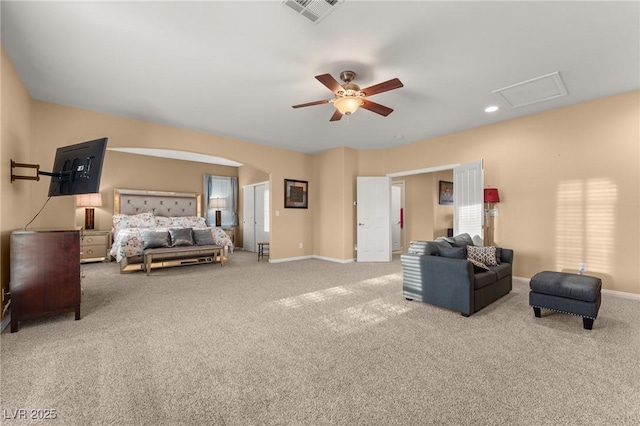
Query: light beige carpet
[{"x": 315, "y": 343}]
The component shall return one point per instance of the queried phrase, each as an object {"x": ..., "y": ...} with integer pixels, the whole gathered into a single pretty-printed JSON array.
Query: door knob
[{"x": 360, "y": 224}]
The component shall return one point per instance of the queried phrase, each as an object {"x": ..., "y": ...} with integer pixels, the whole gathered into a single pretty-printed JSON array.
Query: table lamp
[
  {"x": 89, "y": 201},
  {"x": 217, "y": 204}
]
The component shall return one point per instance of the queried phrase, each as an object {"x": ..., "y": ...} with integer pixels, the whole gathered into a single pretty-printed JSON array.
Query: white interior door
[
  {"x": 248, "y": 218},
  {"x": 468, "y": 200},
  {"x": 374, "y": 219},
  {"x": 396, "y": 205}
]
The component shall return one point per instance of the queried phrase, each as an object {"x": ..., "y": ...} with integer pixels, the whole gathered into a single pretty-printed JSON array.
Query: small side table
[
  {"x": 94, "y": 246},
  {"x": 261, "y": 250}
]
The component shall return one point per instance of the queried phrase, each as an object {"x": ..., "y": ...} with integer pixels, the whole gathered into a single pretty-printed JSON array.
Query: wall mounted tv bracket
[
  {"x": 81, "y": 171},
  {"x": 15, "y": 165}
]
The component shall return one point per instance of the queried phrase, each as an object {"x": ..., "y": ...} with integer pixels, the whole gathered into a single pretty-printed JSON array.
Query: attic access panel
[{"x": 532, "y": 91}]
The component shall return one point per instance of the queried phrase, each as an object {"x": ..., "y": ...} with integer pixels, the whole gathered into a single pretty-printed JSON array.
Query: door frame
[{"x": 403, "y": 230}]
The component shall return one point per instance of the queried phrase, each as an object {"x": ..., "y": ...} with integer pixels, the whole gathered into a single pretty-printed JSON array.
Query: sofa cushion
[
  {"x": 452, "y": 252},
  {"x": 461, "y": 240},
  {"x": 483, "y": 279},
  {"x": 502, "y": 270},
  {"x": 486, "y": 255}
]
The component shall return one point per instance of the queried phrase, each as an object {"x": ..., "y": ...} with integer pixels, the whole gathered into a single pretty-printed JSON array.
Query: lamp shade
[
  {"x": 491, "y": 195},
  {"x": 348, "y": 104},
  {"x": 89, "y": 200},
  {"x": 217, "y": 203}
]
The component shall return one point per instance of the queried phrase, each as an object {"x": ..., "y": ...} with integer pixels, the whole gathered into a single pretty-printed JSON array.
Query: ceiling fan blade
[
  {"x": 336, "y": 116},
  {"x": 377, "y": 108},
  {"x": 311, "y": 104},
  {"x": 383, "y": 87},
  {"x": 331, "y": 83}
]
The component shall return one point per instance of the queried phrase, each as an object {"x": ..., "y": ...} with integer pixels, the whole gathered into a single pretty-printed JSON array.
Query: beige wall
[
  {"x": 569, "y": 185},
  {"x": 56, "y": 125},
  {"x": 15, "y": 134},
  {"x": 334, "y": 195},
  {"x": 568, "y": 178}
]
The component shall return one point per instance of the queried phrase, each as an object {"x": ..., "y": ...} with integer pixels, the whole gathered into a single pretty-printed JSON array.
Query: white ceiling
[{"x": 234, "y": 68}]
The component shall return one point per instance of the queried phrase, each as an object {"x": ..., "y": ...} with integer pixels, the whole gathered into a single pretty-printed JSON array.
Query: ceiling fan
[{"x": 349, "y": 97}]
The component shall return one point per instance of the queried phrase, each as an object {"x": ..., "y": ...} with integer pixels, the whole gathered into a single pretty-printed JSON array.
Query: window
[{"x": 226, "y": 188}]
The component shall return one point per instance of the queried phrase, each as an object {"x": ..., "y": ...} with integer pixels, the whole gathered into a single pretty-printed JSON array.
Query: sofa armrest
[
  {"x": 448, "y": 283},
  {"x": 507, "y": 256}
]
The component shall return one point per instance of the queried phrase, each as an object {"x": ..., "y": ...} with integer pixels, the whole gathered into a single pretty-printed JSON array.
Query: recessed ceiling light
[
  {"x": 491, "y": 108},
  {"x": 399, "y": 136}
]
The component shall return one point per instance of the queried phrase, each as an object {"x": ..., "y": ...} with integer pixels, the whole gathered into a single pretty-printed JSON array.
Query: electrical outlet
[
  {"x": 299, "y": 245},
  {"x": 582, "y": 267}
]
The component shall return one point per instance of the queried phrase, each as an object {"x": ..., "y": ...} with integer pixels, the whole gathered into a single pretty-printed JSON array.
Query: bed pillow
[
  {"x": 142, "y": 220},
  {"x": 203, "y": 237},
  {"x": 486, "y": 255},
  {"x": 452, "y": 252},
  {"x": 188, "y": 222},
  {"x": 163, "y": 221},
  {"x": 181, "y": 237},
  {"x": 155, "y": 239}
]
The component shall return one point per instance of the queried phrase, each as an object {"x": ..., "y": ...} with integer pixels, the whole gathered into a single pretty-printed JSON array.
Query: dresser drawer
[
  {"x": 93, "y": 251},
  {"x": 90, "y": 240}
]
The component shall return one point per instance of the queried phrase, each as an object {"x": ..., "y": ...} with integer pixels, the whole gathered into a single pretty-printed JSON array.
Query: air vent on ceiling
[
  {"x": 314, "y": 10},
  {"x": 532, "y": 91}
]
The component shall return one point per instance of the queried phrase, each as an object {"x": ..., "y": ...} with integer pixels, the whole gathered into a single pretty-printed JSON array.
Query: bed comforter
[{"x": 128, "y": 242}]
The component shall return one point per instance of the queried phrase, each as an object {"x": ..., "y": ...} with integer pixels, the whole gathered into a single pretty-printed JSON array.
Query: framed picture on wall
[
  {"x": 446, "y": 193},
  {"x": 296, "y": 194}
]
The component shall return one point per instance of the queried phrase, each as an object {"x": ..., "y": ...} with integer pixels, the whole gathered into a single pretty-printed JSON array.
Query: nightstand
[
  {"x": 94, "y": 246},
  {"x": 231, "y": 232}
]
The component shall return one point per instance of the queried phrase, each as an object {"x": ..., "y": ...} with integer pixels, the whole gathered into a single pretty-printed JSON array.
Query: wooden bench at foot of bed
[{"x": 180, "y": 256}]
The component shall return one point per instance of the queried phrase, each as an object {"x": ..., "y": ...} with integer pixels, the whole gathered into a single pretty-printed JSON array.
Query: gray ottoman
[{"x": 567, "y": 293}]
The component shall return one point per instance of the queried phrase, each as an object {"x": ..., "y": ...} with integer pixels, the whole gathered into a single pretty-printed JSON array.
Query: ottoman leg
[
  {"x": 587, "y": 323},
  {"x": 536, "y": 312}
]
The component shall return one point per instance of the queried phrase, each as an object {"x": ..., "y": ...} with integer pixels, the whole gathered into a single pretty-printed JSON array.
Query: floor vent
[
  {"x": 532, "y": 91},
  {"x": 313, "y": 10}
]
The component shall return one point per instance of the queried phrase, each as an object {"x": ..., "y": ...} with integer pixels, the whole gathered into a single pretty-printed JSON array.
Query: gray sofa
[{"x": 438, "y": 273}]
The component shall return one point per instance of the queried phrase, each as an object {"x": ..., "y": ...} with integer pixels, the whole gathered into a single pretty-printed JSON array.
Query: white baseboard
[
  {"x": 328, "y": 259},
  {"x": 333, "y": 259},
  {"x": 622, "y": 294},
  {"x": 616, "y": 293},
  {"x": 290, "y": 259}
]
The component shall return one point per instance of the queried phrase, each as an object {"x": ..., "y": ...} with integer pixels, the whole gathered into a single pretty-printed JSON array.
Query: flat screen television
[{"x": 77, "y": 168}]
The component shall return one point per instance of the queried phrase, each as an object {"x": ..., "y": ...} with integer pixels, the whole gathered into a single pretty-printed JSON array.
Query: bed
[{"x": 141, "y": 217}]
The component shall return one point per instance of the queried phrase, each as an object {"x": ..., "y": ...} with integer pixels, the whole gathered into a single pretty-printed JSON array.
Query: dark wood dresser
[{"x": 44, "y": 274}]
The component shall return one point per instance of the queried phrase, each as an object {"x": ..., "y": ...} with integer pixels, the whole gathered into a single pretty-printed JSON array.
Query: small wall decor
[
  {"x": 296, "y": 194},
  {"x": 446, "y": 193}
]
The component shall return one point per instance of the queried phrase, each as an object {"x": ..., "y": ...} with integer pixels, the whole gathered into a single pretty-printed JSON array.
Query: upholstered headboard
[{"x": 134, "y": 201}]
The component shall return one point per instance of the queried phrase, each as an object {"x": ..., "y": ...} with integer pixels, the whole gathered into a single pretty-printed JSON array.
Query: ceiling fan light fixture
[{"x": 347, "y": 105}]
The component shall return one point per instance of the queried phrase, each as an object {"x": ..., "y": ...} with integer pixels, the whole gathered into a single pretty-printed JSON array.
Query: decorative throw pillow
[
  {"x": 479, "y": 266},
  {"x": 155, "y": 239},
  {"x": 486, "y": 255},
  {"x": 203, "y": 237},
  {"x": 181, "y": 237},
  {"x": 452, "y": 252}
]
